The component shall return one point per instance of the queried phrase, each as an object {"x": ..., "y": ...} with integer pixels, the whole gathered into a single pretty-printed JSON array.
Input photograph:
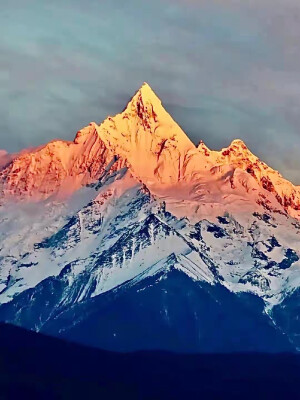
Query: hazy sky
[{"x": 224, "y": 69}]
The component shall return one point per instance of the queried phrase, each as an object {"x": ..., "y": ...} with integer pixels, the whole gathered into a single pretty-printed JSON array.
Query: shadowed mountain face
[
  {"x": 36, "y": 366},
  {"x": 130, "y": 238},
  {"x": 169, "y": 311}
]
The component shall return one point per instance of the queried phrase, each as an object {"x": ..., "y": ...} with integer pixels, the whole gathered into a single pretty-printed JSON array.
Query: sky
[{"x": 223, "y": 69}]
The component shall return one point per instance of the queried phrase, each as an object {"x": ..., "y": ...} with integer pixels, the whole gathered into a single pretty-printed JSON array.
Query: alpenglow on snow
[{"x": 131, "y": 237}]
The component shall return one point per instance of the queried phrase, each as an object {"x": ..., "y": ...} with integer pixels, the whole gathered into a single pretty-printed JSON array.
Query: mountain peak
[
  {"x": 146, "y": 139},
  {"x": 147, "y": 91},
  {"x": 237, "y": 147},
  {"x": 238, "y": 143},
  {"x": 149, "y": 139},
  {"x": 144, "y": 101}
]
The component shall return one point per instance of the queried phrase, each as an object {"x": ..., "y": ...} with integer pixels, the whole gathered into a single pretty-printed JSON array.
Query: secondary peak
[{"x": 238, "y": 143}]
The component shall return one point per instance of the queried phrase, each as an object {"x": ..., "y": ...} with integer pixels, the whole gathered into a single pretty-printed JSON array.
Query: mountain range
[{"x": 131, "y": 238}]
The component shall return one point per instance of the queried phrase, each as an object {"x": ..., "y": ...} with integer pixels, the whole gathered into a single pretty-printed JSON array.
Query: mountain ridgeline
[{"x": 132, "y": 238}]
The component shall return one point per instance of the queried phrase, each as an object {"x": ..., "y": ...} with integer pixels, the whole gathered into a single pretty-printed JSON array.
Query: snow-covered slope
[
  {"x": 239, "y": 157},
  {"x": 58, "y": 168},
  {"x": 159, "y": 154},
  {"x": 133, "y": 199}
]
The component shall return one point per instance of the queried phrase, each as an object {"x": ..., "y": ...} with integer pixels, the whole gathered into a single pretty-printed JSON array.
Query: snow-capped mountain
[{"x": 132, "y": 237}]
